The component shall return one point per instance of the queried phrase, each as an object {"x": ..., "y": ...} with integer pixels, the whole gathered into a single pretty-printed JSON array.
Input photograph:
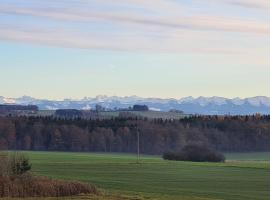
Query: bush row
[{"x": 195, "y": 153}]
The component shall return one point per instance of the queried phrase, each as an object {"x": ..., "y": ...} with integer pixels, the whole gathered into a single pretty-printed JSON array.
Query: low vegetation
[
  {"x": 195, "y": 153},
  {"x": 17, "y": 181},
  {"x": 14, "y": 165},
  {"x": 33, "y": 186}
]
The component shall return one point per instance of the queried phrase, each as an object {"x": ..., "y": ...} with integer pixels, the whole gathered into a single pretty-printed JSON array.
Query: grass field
[
  {"x": 111, "y": 114},
  {"x": 242, "y": 177},
  {"x": 148, "y": 114}
]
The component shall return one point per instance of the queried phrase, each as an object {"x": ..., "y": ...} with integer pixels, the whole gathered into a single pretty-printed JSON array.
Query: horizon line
[{"x": 135, "y": 96}]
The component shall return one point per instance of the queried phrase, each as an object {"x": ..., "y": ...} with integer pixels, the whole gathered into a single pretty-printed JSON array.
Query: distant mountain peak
[{"x": 259, "y": 100}]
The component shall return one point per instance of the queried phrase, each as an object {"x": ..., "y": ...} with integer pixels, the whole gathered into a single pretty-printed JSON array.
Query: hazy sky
[{"x": 152, "y": 48}]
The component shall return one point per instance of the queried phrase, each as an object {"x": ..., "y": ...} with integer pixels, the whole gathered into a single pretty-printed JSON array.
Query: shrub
[
  {"x": 195, "y": 153},
  {"x": 3, "y": 165},
  {"x": 14, "y": 164},
  {"x": 18, "y": 164}
]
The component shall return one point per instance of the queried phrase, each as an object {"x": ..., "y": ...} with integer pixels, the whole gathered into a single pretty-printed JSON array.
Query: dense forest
[{"x": 223, "y": 133}]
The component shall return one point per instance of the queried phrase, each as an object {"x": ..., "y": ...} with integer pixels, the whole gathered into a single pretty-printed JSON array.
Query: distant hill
[{"x": 189, "y": 105}]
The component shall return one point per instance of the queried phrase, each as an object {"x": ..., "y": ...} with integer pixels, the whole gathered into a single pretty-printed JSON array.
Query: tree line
[{"x": 222, "y": 133}]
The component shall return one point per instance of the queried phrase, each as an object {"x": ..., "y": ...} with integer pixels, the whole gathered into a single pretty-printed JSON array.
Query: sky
[{"x": 60, "y": 49}]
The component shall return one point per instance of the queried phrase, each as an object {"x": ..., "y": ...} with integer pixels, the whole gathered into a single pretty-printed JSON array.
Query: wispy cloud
[
  {"x": 254, "y": 4},
  {"x": 213, "y": 23},
  {"x": 153, "y": 25}
]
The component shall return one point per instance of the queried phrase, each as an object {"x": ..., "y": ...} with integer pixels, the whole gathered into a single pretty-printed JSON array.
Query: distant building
[
  {"x": 18, "y": 110},
  {"x": 140, "y": 108},
  {"x": 176, "y": 111}
]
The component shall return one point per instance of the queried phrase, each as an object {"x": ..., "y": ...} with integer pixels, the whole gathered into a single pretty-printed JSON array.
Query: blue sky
[{"x": 157, "y": 48}]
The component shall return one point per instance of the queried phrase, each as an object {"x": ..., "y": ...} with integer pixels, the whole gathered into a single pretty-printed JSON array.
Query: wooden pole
[{"x": 138, "y": 146}]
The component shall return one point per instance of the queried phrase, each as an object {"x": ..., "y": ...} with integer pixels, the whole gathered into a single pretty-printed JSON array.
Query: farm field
[
  {"x": 111, "y": 114},
  {"x": 148, "y": 114},
  {"x": 242, "y": 177}
]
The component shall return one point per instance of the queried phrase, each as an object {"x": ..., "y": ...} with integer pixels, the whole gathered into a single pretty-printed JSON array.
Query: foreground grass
[
  {"x": 241, "y": 178},
  {"x": 86, "y": 197}
]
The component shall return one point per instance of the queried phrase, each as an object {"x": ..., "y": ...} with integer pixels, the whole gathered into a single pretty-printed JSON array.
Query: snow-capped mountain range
[{"x": 190, "y": 105}]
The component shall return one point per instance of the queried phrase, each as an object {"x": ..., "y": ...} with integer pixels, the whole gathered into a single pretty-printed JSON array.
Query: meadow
[
  {"x": 146, "y": 114},
  {"x": 242, "y": 177}
]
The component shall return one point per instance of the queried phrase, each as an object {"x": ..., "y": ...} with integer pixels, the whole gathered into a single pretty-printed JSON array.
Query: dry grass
[
  {"x": 85, "y": 197},
  {"x": 30, "y": 186}
]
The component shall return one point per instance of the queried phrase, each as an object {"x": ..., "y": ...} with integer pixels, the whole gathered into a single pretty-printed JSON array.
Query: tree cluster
[
  {"x": 222, "y": 133},
  {"x": 140, "y": 108},
  {"x": 195, "y": 153}
]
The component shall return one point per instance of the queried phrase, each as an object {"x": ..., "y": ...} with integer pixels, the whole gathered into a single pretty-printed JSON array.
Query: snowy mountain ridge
[{"x": 199, "y": 105}]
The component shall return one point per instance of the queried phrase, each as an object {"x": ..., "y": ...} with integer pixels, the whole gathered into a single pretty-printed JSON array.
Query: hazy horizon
[{"x": 130, "y": 96}]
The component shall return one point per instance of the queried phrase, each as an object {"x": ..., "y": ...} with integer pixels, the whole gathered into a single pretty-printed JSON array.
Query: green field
[
  {"x": 242, "y": 177},
  {"x": 147, "y": 114}
]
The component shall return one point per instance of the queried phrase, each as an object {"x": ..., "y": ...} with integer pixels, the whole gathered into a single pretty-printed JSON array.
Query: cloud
[
  {"x": 254, "y": 4},
  {"x": 212, "y": 23},
  {"x": 133, "y": 25},
  {"x": 177, "y": 42}
]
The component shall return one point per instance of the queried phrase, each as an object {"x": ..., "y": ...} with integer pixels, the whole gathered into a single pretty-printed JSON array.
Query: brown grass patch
[{"x": 31, "y": 186}]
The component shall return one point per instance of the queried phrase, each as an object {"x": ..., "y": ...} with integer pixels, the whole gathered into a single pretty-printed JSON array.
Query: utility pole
[{"x": 138, "y": 146}]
